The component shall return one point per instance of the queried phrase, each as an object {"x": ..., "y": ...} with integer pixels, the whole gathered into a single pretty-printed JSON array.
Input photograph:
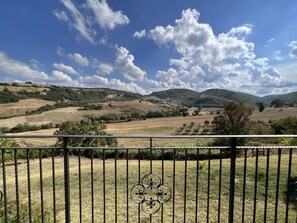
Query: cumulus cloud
[
  {"x": 98, "y": 81},
  {"x": 65, "y": 68},
  {"x": 124, "y": 64},
  {"x": 20, "y": 70},
  {"x": 94, "y": 80},
  {"x": 59, "y": 76},
  {"x": 207, "y": 60},
  {"x": 103, "y": 68},
  {"x": 78, "y": 58},
  {"x": 139, "y": 34},
  {"x": 105, "y": 16}
]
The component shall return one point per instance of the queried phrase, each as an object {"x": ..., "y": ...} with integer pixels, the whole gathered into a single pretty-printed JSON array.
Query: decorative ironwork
[{"x": 150, "y": 194}]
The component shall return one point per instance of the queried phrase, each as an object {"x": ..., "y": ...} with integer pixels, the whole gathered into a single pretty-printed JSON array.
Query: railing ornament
[{"x": 150, "y": 194}]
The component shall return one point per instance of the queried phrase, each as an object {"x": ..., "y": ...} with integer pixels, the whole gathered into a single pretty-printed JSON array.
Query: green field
[{"x": 133, "y": 179}]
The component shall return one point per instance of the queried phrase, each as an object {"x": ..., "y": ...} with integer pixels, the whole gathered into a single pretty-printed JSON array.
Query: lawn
[{"x": 121, "y": 164}]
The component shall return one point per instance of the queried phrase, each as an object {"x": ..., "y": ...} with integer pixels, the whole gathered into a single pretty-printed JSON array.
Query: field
[
  {"x": 60, "y": 115},
  {"x": 156, "y": 126},
  {"x": 133, "y": 179},
  {"x": 21, "y": 107}
]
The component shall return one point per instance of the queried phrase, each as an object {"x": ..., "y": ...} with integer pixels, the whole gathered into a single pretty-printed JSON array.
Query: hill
[
  {"x": 74, "y": 96},
  {"x": 208, "y": 98},
  {"x": 288, "y": 99},
  {"x": 181, "y": 96}
]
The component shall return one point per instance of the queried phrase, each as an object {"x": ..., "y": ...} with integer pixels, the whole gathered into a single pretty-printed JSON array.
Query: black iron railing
[{"x": 150, "y": 183}]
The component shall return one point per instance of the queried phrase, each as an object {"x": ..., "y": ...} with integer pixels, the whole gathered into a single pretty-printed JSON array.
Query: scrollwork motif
[{"x": 150, "y": 194}]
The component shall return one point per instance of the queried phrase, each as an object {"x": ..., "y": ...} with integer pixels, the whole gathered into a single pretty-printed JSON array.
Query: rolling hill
[{"x": 74, "y": 96}]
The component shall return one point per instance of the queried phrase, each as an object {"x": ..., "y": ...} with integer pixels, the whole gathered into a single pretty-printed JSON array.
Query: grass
[{"x": 133, "y": 179}]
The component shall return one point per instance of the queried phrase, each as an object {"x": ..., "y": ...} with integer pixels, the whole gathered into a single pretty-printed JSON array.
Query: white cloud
[
  {"x": 36, "y": 65},
  {"x": 98, "y": 81},
  {"x": 61, "y": 15},
  {"x": 105, "y": 16},
  {"x": 78, "y": 58},
  {"x": 65, "y": 68},
  {"x": 277, "y": 55},
  {"x": 60, "y": 51},
  {"x": 293, "y": 52},
  {"x": 94, "y": 80},
  {"x": 207, "y": 60},
  {"x": 241, "y": 32},
  {"x": 269, "y": 42},
  {"x": 293, "y": 44},
  {"x": 20, "y": 70},
  {"x": 59, "y": 76},
  {"x": 139, "y": 34},
  {"x": 124, "y": 64},
  {"x": 79, "y": 22},
  {"x": 104, "y": 68}
]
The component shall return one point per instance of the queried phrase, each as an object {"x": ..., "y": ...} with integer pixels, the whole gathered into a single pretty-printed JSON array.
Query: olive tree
[
  {"x": 234, "y": 120},
  {"x": 85, "y": 127}
]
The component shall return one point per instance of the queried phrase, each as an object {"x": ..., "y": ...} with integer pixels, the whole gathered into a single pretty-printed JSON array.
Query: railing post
[
  {"x": 66, "y": 179},
  {"x": 232, "y": 180}
]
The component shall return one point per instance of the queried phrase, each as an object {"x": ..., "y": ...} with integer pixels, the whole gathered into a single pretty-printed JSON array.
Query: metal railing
[{"x": 152, "y": 183}]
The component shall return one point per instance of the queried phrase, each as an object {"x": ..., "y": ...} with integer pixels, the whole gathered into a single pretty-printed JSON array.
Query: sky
[{"x": 145, "y": 46}]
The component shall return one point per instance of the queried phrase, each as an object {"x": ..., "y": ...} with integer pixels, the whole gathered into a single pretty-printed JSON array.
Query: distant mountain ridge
[
  {"x": 217, "y": 97},
  {"x": 184, "y": 97}
]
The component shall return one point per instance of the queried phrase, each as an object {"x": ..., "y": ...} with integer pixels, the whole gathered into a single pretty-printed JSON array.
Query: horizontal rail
[{"x": 148, "y": 137}]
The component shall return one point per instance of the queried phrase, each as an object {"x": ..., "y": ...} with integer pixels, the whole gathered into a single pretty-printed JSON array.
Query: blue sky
[{"x": 144, "y": 46}]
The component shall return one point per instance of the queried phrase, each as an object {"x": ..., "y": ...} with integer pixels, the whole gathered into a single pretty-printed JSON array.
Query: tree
[
  {"x": 261, "y": 106},
  {"x": 233, "y": 121},
  {"x": 85, "y": 127},
  {"x": 197, "y": 111}
]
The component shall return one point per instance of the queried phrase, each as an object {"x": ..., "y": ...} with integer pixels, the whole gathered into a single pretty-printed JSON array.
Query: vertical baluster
[
  {"x": 277, "y": 184},
  {"x": 232, "y": 180},
  {"x": 92, "y": 186},
  {"x": 185, "y": 188},
  {"x": 256, "y": 186},
  {"x": 79, "y": 186},
  {"x": 17, "y": 185},
  {"x": 29, "y": 186},
  {"x": 66, "y": 179},
  {"x": 41, "y": 186},
  {"x": 54, "y": 185},
  {"x": 163, "y": 182},
  {"x": 220, "y": 187},
  {"x": 244, "y": 185},
  {"x": 139, "y": 167},
  {"x": 104, "y": 188},
  {"x": 266, "y": 185},
  {"x": 4, "y": 185},
  {"x": 151, "y": 166},
  {"x": 208, "y": 187},
  {"x": 116, "y": 187},
  {"x": 197, "y": 186},
  {"x": 288, "y": 184},
  {"x": 127, "y": 184},
  {"x": 173, "y": 186}
]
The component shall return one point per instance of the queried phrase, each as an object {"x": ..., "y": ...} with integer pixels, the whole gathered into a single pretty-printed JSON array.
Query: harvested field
[{"x": 23, "y": 106}]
